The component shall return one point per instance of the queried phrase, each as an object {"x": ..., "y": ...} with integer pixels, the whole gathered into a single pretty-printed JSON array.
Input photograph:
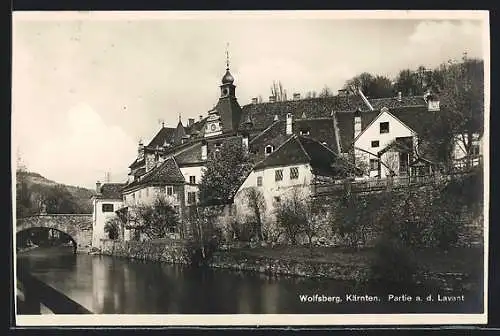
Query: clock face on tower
[
  {"x": 213, "y": 127},
  {"x": 225, "y": 92}
]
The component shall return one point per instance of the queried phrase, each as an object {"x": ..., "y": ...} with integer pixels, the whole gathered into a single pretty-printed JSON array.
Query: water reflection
[{"x": 107, "y": 285}]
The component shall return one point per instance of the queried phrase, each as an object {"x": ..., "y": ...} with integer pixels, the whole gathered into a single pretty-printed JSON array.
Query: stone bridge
[{"x": 77, "y": 226}]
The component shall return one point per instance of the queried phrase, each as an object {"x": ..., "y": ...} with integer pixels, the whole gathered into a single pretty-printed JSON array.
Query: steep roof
[
  {"x": 167, "y": 172},
  {"x": 345, "y": 123},
  {"x": 302, "y": 149},
  {"x": 418, "y": 118},
  {"x": 164, "y": 135},
  {"x": 111, "y": 190}
]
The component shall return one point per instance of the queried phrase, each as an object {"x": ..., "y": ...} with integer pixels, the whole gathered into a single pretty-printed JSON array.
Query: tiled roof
[
  {"x": 166, "y": 134},
  {"x": 111, "y": 190},
  {"x": 302, "y": 149},
  {"x": 418, "y": 118},
  {"x": 393, "y": 102},
  {"x": 320, "y": 129},
  {"x": 167, "y": 172},
  {"x": 191, "y": 155},
  {"x": 262, "y": 114}
]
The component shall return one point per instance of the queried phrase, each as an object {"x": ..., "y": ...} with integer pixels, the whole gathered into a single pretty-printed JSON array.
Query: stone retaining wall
[{"x": 170, "y": 251}]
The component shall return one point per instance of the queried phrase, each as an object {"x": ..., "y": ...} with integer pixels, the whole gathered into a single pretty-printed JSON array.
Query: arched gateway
[{"x": 77, "y": 226}]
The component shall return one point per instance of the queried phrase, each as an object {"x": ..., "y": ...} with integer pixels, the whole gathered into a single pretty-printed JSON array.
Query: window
[
  {"x": 373, "y": 164},
  {"x": 304, "y": 132},
  {"x": 474, "y": 150},
  {"x": 106, "y": 207},
  {"x": 278, "y": 175},
  {"x": 218, "y": 145},
  {"x": 277, "y": 199},
  {"x": 191, "y": 197},
  {"x": 375, "y": 143},
  {"x": 259, "y": 181},
  {"x": 269, "y": 149},
  {"x": 294, "y": 173},
  {"x": 170, "y": 190},
  {"x": 192, "y": 179},
  {"x": 384, "y": 127}
]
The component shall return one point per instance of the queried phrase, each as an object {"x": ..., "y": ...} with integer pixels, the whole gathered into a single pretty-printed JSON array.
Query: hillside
[{"x": 35, "y": 192}]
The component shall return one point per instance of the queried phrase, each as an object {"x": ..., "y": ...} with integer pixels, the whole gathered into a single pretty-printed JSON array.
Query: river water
[{"x": 108, "y": 285}]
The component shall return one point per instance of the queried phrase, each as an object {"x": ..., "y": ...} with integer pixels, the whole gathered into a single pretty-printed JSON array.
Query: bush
[{"x": 112, "y": 228}]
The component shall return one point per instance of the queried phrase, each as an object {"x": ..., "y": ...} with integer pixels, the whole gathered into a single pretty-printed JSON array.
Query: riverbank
[{"x": 456, "y": 269}]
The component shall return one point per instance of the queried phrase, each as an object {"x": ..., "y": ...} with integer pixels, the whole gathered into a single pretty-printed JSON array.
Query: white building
[{"x": 105, "y": 203}]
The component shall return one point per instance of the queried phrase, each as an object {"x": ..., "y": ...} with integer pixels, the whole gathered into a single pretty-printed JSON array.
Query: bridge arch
[{"x": 77, "y": 226}]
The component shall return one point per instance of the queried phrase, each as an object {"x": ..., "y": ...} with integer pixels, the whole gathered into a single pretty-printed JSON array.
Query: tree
[
  {"x": 278, "y": 91},
  {"x": 112, "y": 228},
  {"x": 60, "y": 201},
  {"x": 294, "y": 215},
  {"x": 158, "y": 219},
  {"x": 224, "y": 173},
  {"x": 462, "y": 100},
  {"x": 257, "y": 206},
  {"x": 371, "y": 86},
  {"x": 326, "y": 92}
]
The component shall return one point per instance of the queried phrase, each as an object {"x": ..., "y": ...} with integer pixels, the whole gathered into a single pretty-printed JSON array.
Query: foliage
[
  {"x": 206, "y": 236},
  {"x": 224, "y": 173},
  {"x": 295, "y": 216},
  {"x": 158, "y": 219},
  {"x": 372, "y": 86},
  {"x": 112, "y": 228},
  {"x": 256, "y": 204},
  {"x": 278, "y": 92},
  {"x": 411, "y": 83}
]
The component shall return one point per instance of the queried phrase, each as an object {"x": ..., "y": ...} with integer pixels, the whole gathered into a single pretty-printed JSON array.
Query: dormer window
[
  {"x": 304, "y": 132},
  {"x": 269, "y": 149}
]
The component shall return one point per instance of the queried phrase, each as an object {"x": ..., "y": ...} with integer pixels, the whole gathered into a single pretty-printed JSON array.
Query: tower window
[{"x": 384, "y": 127}]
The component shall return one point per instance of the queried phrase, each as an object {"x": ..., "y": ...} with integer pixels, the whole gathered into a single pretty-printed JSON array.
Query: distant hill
[{"x": 35, "y": 192}]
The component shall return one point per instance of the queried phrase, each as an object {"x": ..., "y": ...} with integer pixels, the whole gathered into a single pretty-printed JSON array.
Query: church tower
[{"x": 226, "y": 115}]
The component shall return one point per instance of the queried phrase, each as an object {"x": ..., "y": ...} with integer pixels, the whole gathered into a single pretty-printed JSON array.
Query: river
[{"x": 108, "y": 285}]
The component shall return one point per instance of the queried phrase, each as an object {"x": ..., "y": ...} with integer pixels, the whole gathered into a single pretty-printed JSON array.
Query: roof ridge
[
  {"x": 303, "y": 149},
  {"x": 265, "y": 130}
]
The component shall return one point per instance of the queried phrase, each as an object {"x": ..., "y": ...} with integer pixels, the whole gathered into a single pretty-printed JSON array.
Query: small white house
[
  {"x": 293, "y": 166},
  {"x": 105, "y": 203}
]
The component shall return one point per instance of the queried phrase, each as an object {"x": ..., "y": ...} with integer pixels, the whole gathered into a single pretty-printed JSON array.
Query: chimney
[
  {"x": 357, "y": 123},
  {"x": 272, "y": 99},
  {"x": 255, "y": 100},
  {"x": 98, "y": 186},
  {"x": 190, "y": 122},
  {"x": 204, "y": 150},
  {"x": 400, "y": 96},
  {"x": 296, "y": 96},
  {"x": 245, "y": 143},
  {"x": 432, "y": 103},
  {"x": 289, "y": 122}
]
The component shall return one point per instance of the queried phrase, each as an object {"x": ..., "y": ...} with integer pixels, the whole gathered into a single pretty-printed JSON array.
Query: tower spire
[{"x": 227, "y": 56}]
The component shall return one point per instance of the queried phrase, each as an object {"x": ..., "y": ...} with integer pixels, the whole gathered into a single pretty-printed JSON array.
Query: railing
[{"x": 36, "y": 293}]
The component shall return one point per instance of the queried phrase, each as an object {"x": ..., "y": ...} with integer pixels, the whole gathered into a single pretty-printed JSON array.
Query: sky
[{"x": 86, "y": 88}]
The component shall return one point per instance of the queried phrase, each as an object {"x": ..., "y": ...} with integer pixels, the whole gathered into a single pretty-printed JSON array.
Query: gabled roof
[
  {"x": 301, "y": 150},
  {"x": 111, "y": 191},
  {"x": 418, "y": 118},
  {"x": 345, "y": 123},
  {"x": 167, "y": 172}
]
